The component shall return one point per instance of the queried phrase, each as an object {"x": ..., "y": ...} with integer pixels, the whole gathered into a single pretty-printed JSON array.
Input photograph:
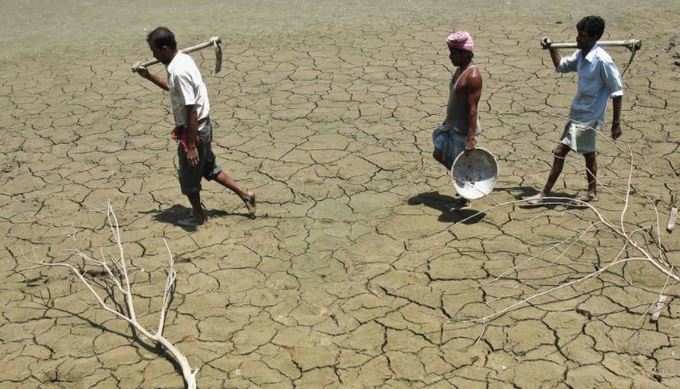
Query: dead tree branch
[{"x": 116, "y": 270}]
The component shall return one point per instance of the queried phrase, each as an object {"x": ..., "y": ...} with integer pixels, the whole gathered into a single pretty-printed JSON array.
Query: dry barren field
[{"x": 357, "y": 272}]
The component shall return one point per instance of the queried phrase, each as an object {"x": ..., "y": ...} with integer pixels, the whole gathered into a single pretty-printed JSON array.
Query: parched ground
[{"x": 357, "y": 273}]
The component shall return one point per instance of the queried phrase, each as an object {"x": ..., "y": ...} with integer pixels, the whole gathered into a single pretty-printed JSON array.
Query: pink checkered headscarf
[{"x": 460, "y": 40}]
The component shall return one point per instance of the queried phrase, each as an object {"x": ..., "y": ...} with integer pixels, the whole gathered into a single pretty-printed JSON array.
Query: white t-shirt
[{"x": 186, "y": 87}]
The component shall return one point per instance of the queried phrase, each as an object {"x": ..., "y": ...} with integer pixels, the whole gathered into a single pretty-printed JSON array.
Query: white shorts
[{"x": 580, "y": 137}]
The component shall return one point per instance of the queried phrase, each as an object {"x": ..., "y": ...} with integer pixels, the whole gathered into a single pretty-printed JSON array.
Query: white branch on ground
[
  {"x": 120, "y": 278},
  {"x": 659, "y": 261}
]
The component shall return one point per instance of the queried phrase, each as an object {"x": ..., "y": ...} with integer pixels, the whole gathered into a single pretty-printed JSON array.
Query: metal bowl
[{"x": 474, "y": 173}]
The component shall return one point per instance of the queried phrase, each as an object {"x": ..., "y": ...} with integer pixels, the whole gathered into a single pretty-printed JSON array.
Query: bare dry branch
[
  {"x": 121, "y": 280},
  {"x": 658, "y": 259}
]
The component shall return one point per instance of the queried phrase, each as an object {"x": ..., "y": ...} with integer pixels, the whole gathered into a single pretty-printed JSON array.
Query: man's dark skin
[
  {"x": 471, "y": 85},
  {"x": 585, "y": 43},
  {"x": 165, "y": 54}
]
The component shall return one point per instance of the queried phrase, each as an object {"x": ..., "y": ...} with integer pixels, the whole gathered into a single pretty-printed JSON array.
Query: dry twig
[
  {"x": 658, "y": 259},
  {"x": 117, "y": 271}
]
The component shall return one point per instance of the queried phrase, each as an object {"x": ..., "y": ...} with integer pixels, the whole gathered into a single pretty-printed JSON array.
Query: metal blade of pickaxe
[{"x": 218, "y": 55}]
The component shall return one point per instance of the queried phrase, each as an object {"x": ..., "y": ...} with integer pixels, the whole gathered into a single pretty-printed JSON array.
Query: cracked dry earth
[{"x": 357, "y": 273}]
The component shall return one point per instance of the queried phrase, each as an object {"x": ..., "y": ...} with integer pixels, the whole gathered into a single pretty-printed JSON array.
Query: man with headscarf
[{"x": 457, "y": 133}]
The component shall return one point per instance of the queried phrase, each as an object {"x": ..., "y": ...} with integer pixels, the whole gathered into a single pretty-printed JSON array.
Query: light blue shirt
[{"x": 598, "y": 79}]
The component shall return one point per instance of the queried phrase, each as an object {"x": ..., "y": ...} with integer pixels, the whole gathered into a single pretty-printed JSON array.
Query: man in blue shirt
[{"x": 598, "y": 79}]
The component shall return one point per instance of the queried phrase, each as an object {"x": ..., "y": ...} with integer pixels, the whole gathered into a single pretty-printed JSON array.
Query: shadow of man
[
  {"x": 175, "y": 213},
  {"x": 452, "y": 209},
  {"x": 559, "y": 199}
]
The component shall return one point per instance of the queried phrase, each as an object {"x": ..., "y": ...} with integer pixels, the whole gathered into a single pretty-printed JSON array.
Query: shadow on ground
[
  {"x": 453, "y": 209},
  {"x": 114, "y": 300},
  {"x": 565, "y": 201},
  {"x": 173, "y": 214}
]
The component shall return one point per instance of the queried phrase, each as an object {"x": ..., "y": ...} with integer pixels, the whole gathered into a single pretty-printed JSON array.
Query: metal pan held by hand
[{"x": 474, "y": 173}]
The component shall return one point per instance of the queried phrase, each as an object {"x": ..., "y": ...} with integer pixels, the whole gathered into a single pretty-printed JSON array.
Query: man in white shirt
[
  {"x": 598, "y": 79},
  {"x": 193, "y": 129}
]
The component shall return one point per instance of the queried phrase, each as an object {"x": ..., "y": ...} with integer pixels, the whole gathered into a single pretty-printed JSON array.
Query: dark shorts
[{"x": 190, "y": 176}]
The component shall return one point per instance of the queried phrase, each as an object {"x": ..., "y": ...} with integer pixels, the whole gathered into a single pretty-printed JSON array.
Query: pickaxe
[
  {"x": 631, "y": 44},
  {"x": 215, "y": 42}
]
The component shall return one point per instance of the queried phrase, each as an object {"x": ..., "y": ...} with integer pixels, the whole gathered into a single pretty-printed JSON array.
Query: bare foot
[
  {"x": 249, "y": 201},
  {"x": 588, "y": 197}
]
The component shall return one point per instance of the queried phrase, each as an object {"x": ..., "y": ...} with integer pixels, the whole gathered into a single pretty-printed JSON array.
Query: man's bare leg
[
  {"x": 591, "y": 176},
  {"x": 460, "y": 202},
  {"x": 439, "y": 157},
  {"x": 229, "y": 183},
  {"x": 560, "y": 154},
  {"x": 248, "y": 197},
  {"x": 197, "y": 210}
]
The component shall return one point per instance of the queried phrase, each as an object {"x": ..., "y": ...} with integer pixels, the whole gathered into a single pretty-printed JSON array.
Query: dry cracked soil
[{"x": 358, "y": 272}]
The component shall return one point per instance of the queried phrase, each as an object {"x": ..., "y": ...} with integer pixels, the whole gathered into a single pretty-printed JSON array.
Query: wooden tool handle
[{"x": 628, "y": 43}]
